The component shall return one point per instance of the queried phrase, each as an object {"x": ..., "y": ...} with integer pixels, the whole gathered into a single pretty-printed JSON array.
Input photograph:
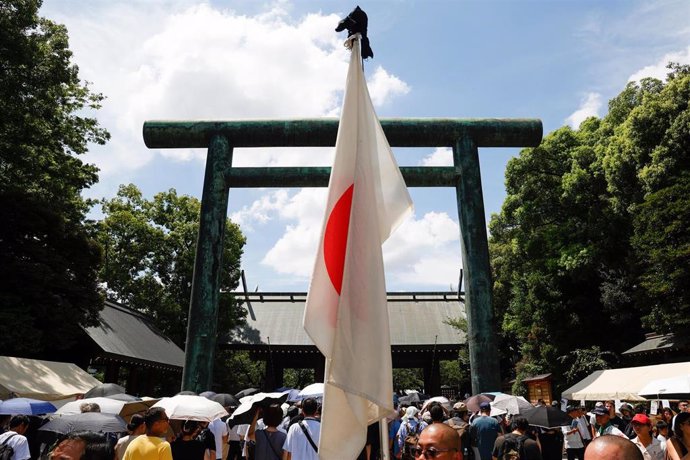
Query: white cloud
[
  {"x": 441, "y": 156},
  {"x": 260, "y": 211},
  {"x": 659, "y": 70},
  {"x": 589, "y": 107},
  {"x": 173, "y": 60}
]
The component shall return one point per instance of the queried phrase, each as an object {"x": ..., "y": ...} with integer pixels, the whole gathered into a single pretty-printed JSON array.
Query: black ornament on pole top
[{"x": 356, "y": 23}]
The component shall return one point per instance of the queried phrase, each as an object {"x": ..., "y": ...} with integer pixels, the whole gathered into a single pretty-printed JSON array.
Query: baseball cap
[
  {"x": 572, "y": 408},
  {"x": 484, "y": 406},
  {"x": 641, "y": 418},
  {"x": 600, "y": 411}
]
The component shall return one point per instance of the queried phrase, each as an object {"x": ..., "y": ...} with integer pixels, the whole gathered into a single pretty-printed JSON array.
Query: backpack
[
  {"x": 6, "y": 451},
  {"x": 512, "y": 448},
  {"x": 410, "y": 441}
]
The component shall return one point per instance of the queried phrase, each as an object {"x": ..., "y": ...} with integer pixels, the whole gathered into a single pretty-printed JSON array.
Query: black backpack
[
  {"x": 7, "y": 451},
  {"x": 513, "y": 447}
]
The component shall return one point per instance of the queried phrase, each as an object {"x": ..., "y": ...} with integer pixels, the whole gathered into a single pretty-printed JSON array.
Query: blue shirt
[{"x": 485, "y": 430}]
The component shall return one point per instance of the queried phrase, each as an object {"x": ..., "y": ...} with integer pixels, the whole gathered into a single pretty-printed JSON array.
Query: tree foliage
[
  {"x": 593, "y": 234},
  {"x": 48, "y": 262},
  {"x": 150, "y": 247}
]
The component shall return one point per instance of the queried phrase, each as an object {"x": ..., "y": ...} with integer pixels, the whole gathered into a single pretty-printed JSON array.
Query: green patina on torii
[{"x": 465, "y": 136}]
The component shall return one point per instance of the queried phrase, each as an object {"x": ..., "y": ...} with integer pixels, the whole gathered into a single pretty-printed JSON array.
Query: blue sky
[{"x": 558, "y": 60}]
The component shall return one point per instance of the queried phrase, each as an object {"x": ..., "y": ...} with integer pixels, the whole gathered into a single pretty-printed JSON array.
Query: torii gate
[{"x": 464, "y": 136}]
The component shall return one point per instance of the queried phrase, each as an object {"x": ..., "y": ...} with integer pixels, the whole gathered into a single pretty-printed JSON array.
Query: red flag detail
[{"x": 335, "y": 238}]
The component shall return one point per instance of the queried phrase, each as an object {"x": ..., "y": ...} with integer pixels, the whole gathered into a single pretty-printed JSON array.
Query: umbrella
[
  {"x": 92, "y": 421},
  {"x": 208, "y": 394},
  {"x": 670, "y": 388},
  {"x": 108, "y": 406},
  {"x": 440, "y": 399},
  {"x": 226, "y": 400},
  {"x": 104, "y": 389},
  {"x": 246, "y": 392},
  {"x": 511, "y": 404},
  {"x": 473, "y": 402},
  {"x": 546, "y": 416},
  {"x": 188, "y": 407},
  {"x": 245, "y": 412},
  {"x": 26, "y": 406},
  {"x": 409, "y": 399},
  {"x": 315, "y": 390},
  {"x": 186, "y": 393}
]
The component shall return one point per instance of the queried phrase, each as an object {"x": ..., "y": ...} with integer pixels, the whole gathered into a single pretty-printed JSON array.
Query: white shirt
[
  {"x": 572, "y": 440},
  {"x": 18, "y": 443},
  {"x": 651, "y": 452},
  {"x": 584, "y": 429},
  {"x": 297, "y": 443},
  {"x": 219, "y": 429}
]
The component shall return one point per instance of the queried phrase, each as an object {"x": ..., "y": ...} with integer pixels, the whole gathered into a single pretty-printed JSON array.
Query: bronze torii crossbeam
[{"x": 465, "y": 136}]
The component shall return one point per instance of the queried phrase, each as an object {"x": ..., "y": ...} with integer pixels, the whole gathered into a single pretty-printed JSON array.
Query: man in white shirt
[
  {"x": 604, "y": 425},
  {"x": 220, "y": 433},
  {"x": 583, "y": 426},
  {"x": 574, "y": 446},
  {"x": 303, "y": 437},
  {"x": 15, "y": 437}
]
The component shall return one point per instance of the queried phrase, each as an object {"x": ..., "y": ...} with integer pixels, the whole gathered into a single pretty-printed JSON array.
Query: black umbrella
[
  {"x": 245, "y": 413},
  {"x": 186, "y": 393},
  {"x": 546, "y": 416},
  {"x": 246, "y": 392},
  {"x": 208, "y": 394},
  {"x": 226, "y": 400},
  {"x": 92, "y": 421},
  {"x": 103, "y": 390}
]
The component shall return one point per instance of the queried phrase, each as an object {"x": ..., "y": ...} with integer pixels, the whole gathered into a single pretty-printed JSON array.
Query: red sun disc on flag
[{"x": 335, "y": 238}]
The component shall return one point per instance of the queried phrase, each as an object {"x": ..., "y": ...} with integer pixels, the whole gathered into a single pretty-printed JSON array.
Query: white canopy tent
[
  {"x": 45, "y": 380},
  {"x": 623, "y": 384}
]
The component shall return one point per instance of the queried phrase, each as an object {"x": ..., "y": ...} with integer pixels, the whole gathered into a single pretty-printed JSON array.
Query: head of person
[
  {"x": 601, "y": 415},
  {"x": 190, "y": 428},
  {"x": 89, "y": 407},
  {"x": 611, "y": 447},
  {"x": 641, "y": 425},
  {"x": 460, "y": 410},
  {"x": 485, "y": 408},
  {"x": 410, "y": 414},
  {"x": 626, "y": 411},
  {"x": 573, "y": 411},
  {"x": 136, "y": 424},
  {"x": 83, "y": 445},
  {"x": 273, "y": 415},
  {"x": 310, "y": 407},
  {"x": 555, "y": 403},
  {"x": 683, "y": 406},
  {"x": 438, "y": 441},
  {"x": 437, "y": 413},
  {"x": 611, "y": 407},
  {"x": 682, "y": 425},
  {"x": 667, "y": 413},
  {"x": 519, "y": 423},
  {"x": 156, "y": 421},
  {"x": 19, "y": 424},
  {"x": 662, "y": 428}
]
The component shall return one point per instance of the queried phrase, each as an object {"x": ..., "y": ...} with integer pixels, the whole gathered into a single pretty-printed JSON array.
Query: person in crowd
[
  {"x": 484, "y": 431},
  {"x": 648, "y": 445},
  {"x": 151, "y": 446},
  {"x": 678, "y": 445},
  {"x": 627, "y": 413},
  {"x": 584, "y": 427},
  {"x": 187, "y": 446},
  {"x": 393, "y": 428},
  {"x": 269, "y": 440},
  {"x": 574, "y": 445},
  {"x": 83, "y": 445},
  {"x": 14, "y": 437},
  {"x": 234, "y": 440},
  {"x": 551, "y": 443},
  {"x": 438, "y": 415},
  {"x": 611, "y": 447},
  {"x": 603, "y": 423},
  {"x": 438, "y": 441},
  {"x": 135, "y": 427},
  {"x": 303, "y": 437},
  {"x": 207, "y": 437},
  {"x": 662, "y": 434},
  {"x": 89, "y": 407},
  {"x": 220, "y": 436},
  {"x": 409, "y": 425},
  {"x": 459, "y": 421},
  {"x": 683, "y": 406},
  {"x": 372, "y": 446},
  {"x": 667, "y": 415},
  {"x": 614, "y": 419},
  {"x": 593, "y": 419},
  {"x": 517, "y": 440}
]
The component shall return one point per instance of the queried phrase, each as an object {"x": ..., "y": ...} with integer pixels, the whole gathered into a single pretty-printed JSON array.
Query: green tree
[
  {"x": 48, "y": 262},
  {"x": 150, "y": 247}
]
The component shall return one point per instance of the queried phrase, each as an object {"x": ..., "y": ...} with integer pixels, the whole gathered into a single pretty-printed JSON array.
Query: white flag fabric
[{"x": 346, "y": 313}]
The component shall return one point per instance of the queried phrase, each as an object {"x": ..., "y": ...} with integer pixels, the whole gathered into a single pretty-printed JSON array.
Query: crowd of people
[{"x": 418, "y": 431}]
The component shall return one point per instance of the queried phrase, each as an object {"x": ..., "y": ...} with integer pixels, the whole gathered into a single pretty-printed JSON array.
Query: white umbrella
[
  {"x": 108, "y": 406},
  {"x": 315, "y": 390},
  {"x": 511, "y": 404},
  {"x": 440, "y": 399},
  {"x": 670, "y": 388},
  {"x": 188, "y": 407},
  {"x": 495, "y": 411}
]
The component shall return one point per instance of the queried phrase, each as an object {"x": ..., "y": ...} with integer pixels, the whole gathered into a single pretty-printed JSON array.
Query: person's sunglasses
[{"x": 430, "y": 452}]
